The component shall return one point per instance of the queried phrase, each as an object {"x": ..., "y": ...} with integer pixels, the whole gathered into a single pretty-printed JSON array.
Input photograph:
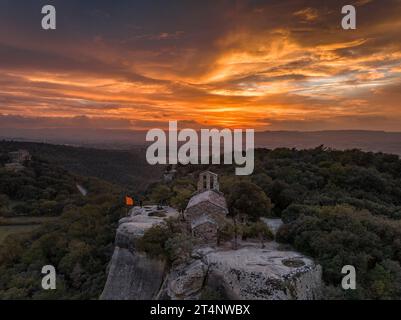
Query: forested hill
[
  {"x": 340, "y": 207},
  {"x": 77, "y": 241},
  {"x": 319, "y": 176},
  {"x": 127, "y": 168},
  {"x": 45, "y": 220}
]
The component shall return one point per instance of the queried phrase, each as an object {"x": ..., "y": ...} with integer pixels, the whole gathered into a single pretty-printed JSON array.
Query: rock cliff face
[
  {"x": 132, "y": 275},
  {"x": 247, "y": 273}
]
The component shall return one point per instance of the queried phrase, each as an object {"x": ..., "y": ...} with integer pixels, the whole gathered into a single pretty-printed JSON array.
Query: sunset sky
[{"x": 267, "y": 65}]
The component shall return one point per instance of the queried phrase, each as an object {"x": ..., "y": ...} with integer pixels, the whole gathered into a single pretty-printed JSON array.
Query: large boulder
[
  {"x": 253, "y": 273},
  {"x": 186, "y": 281}
]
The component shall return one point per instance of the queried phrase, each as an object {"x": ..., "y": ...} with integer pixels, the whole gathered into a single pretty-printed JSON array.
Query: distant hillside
[
  {"x": 388, "y": 142},
  {"x": 126, "y": 168},
  {"x": 375, "y": 141},
  {"x": 44, "y": 220}
]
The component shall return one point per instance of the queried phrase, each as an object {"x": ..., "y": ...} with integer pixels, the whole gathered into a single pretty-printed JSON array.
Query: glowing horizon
[{"x": 269, "y": 65}]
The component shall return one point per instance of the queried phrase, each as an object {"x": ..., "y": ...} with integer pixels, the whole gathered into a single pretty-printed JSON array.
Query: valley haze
[{"x": 374, "y": 141}]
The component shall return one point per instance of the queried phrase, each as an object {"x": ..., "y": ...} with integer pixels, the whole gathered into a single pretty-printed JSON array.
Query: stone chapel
[{"x": 207, "y": 209}]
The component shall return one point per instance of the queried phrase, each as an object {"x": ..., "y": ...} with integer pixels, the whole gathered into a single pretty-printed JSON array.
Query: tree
[
  {"x": 179, "y": 248},
  {"x": 246, "y": 199},
  {"x": 4, "y": 205},
  {"x": 225, "y": 233},
  {"x": 293, "y": 211},
  {"x": 181, "y": 198},
  {"x": 161, "y": 194},
  {"x": 258, "y": 230},
  {"x": 264, "y": 181}
]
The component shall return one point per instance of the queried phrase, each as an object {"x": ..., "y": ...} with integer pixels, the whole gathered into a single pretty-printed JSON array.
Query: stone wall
[
  {"x": 202, "y": 208},
  {"x": 207, "y": 232}
]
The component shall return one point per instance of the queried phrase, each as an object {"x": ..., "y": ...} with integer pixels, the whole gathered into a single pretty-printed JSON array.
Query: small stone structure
[
  {"x": 207, "y": 209},
  {"x": 17, "y": 160},
  {"x": 170, "y": 173},
  {"x": 19, "y": 156}
]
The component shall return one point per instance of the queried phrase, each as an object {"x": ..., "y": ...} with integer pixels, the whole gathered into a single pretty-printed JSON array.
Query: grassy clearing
[
  {"x": 16, "y": 225},
  {"x": 5, "y": 231},
  {"x": 25, "y": 220}
]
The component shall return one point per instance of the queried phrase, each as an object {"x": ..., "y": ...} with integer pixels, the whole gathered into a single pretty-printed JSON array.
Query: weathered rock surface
[
  {"x": 132, "y": 275},
  {"x": 186, "y": 281},
  {"x": 247, "y": 273},
  {"x": 252, "y": 273},
  {"x": 139, "y": 220}
]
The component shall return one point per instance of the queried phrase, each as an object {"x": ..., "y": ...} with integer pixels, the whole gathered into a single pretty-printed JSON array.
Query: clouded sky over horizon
[{"x": 268, "y": 65}]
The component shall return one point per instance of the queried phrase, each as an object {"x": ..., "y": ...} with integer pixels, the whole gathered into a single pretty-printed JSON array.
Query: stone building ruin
[
  {"x": 17, "y": 160},
  {"x": 207, "y": 209}
]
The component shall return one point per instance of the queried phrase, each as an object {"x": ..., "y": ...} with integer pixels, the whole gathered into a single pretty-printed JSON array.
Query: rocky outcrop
[
  {"x": 132, "y": 275},
  {"x": 251, "y": 272},
  {"x": 186, "y": 281}
]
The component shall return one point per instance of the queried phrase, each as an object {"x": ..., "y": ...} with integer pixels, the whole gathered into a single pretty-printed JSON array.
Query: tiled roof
[
  {"x": 211, "y": 196},
  {"x": 208, "y": 172}
]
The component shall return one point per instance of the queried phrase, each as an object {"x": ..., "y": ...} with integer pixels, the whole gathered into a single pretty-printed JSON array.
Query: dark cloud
[{"x": 227, "y": 63}]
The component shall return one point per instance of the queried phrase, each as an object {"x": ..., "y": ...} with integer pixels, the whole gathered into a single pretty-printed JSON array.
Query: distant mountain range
[{"x": 377, "y": 141}]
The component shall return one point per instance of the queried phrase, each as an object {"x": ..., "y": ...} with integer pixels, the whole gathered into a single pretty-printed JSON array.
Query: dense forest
[
  {"x": 78, "y": 241},
  {"x": 339, "y": 207},
  {"x": 127, "y": 168}
]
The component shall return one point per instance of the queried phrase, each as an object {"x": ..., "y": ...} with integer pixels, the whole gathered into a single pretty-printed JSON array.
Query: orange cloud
[{"x": 257, "y": 67}]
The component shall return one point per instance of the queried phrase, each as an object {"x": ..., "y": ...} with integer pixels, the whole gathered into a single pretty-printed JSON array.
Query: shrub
[
  {"x": 258, "y": 230},
  {"x": 246, "y": 198},
  {"x": 153, "y": 241},
  {"x": 179, "y": 248}
]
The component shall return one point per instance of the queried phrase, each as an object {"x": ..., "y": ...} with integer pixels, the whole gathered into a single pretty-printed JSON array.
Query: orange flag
[{"x": 129, "y": 201}]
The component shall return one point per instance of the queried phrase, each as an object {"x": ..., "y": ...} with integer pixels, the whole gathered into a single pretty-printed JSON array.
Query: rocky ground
[{"x": 250, "y": 272}]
